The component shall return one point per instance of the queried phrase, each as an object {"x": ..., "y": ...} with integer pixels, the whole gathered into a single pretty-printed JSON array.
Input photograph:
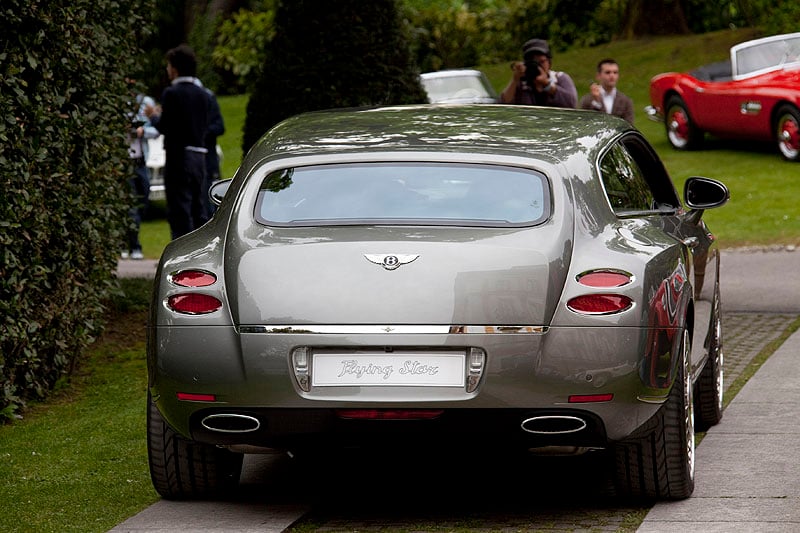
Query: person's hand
[
  {"x": 140, "y": 132},
  {"x": 595, "y": 90},
  {"x": 542, "y": 80},
  {"x": 517, "y": 70}
]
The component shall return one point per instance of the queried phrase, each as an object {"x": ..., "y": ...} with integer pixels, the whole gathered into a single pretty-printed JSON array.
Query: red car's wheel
[
  {"x": 682, "y": 132},
  {"x": 787, "y": 132}
]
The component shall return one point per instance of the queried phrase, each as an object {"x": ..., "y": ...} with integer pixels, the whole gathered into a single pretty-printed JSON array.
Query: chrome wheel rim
[
  {"x": 678, "y": 127},
  {"x": 688, "y": 406},
  {"x": 788, "y": 137}
]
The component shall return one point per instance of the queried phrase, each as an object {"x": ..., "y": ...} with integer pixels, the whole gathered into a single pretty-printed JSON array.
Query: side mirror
[
  {"x": 705, "y": 193},
  {"x": 217, "y": 191}
]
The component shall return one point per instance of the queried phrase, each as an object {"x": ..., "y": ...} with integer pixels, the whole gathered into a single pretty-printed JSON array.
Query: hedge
[{"x": 64, "y": 108}]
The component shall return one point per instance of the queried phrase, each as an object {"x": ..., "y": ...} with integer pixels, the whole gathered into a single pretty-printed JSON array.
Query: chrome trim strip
[{"x": 369, "y": 329}]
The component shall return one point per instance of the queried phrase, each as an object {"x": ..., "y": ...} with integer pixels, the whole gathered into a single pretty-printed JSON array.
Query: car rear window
[{"x": 403, "y": 193}]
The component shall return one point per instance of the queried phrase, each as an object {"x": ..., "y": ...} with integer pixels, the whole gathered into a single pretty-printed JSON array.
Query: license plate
[{"x": 397, "y": 369}]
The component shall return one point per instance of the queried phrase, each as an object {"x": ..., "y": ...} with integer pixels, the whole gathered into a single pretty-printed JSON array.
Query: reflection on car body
[
  {"x": 498, "y": 276},
  {"x": 753, "y": 95}
]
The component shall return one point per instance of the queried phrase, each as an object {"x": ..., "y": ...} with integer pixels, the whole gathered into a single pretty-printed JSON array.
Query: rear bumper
[{"x": 309, "y": 428}]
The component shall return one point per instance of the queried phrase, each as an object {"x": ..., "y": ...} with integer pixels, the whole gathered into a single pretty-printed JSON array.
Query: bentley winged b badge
[{"x": 391, "y": 261}]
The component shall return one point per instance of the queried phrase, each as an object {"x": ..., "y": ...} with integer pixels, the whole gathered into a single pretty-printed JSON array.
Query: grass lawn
[{"x": 78, "y": 462}]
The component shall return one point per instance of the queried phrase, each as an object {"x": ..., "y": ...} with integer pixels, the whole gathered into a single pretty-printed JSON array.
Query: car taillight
[
  {"x": 193, "y": 303},
  {"x": 599, "y": 304},
  {"x": 195, "y": 397},
  {"x": 604, "y": 278},
  {"x": 590, "y": 398},
  {"x": 193, "y": 278}
]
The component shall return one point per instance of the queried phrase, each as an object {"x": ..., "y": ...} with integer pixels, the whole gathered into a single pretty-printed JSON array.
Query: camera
[
  {"x": 136, "y": 124},
  {"x": 532, "y": 70}
]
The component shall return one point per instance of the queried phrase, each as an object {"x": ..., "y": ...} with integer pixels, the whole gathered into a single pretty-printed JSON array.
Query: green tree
[
  {"x": 241, "y": 45},
  {"x": 332, "y": 54}
]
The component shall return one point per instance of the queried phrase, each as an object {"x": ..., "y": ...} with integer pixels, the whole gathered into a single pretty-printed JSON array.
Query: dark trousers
[
  {"x": 139, "y": 183},
  {"x": 184, "y": 184}
]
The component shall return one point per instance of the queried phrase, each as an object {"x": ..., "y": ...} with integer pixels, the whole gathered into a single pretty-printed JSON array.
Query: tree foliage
[
  {"x": 326, "y": 54},
  {"x": 241, "y": 45},
  {"x": 63, "y": 211}
]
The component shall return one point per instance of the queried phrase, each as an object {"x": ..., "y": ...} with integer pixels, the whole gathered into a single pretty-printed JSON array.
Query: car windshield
[
  {"x": 767, "y": 55},
  {"x": 403, "y": 193}
]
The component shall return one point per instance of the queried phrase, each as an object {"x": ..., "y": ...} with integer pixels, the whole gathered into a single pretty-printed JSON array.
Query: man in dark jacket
[{"x": 183, "y": 121}]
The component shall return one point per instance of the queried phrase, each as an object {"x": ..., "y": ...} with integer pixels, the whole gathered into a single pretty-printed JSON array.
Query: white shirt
[{"x": 608, "y": 100}]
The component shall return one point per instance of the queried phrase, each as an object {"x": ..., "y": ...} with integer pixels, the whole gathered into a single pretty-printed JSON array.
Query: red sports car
[{"x": 755, "y": 95}]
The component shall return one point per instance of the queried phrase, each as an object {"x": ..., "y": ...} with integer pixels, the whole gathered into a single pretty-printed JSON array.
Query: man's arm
[{"x": 509, "y": 94}]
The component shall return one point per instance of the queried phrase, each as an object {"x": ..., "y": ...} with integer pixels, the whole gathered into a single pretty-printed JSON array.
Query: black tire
[
  {"x": 658, "y": 462},
  {"x": 182, "y": 469},
  {"x": 709, "y": 388},
  {"x": 682, "y": 132},
  {"x": 787, "y": 132}
]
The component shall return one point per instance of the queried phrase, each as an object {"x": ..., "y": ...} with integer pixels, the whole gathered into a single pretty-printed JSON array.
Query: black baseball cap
[{"x": 536, "y": 47}]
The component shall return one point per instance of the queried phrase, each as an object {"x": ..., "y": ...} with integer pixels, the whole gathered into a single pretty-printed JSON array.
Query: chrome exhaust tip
[
  {"x": 553, "y": 425},
  {"x": 231, "y": 423}
]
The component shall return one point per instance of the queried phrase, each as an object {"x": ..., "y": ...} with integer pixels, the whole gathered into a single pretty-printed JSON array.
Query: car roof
[{"x": 514, "y": 130}]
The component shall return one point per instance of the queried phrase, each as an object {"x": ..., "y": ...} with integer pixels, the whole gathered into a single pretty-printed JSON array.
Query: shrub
[{"x": 63, "y": 170}]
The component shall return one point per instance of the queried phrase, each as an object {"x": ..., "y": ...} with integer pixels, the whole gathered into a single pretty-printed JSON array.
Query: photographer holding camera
[
  {"x": 534, "y": 83},
  {"x": 139, "y": 175}
]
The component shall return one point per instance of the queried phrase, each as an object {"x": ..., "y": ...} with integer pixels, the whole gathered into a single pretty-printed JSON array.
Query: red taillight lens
[
  {"x": 600, "y": 304},
  {"x": 193, "y": 303},
  {"x": 193, "y": 278},
  {"x": 389, "y": 414},
  {"x": 193, "y": 397},
  {"x": 590, "y": 398},
  {"x": 604, "y": 278}
]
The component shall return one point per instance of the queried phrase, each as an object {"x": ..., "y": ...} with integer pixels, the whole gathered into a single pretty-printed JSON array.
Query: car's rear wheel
[
  {"x": 709, "y": 386},
  {"x": 180, "y": 468},
  {"x": 787, "y": 132},
  {"x": 658, "y": 462},
  {"x": 682, "y": 132}
]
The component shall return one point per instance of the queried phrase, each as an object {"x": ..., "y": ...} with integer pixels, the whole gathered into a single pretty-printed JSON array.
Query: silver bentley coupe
[{"x": 521, "y": 277}]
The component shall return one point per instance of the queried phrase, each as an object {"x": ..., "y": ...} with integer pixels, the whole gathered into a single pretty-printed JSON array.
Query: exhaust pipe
[
  {"x": 231, "y": 423},
  {"x": 553, "y": 425}
]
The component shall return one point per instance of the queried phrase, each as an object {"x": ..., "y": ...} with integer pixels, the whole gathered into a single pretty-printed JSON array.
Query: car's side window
[
  {"x": 635, "y": 180},
  {"x": 625, "y": 184}
]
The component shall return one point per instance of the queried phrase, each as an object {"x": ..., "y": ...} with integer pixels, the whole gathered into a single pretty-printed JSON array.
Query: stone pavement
[{"x": 748, "y": 475}]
